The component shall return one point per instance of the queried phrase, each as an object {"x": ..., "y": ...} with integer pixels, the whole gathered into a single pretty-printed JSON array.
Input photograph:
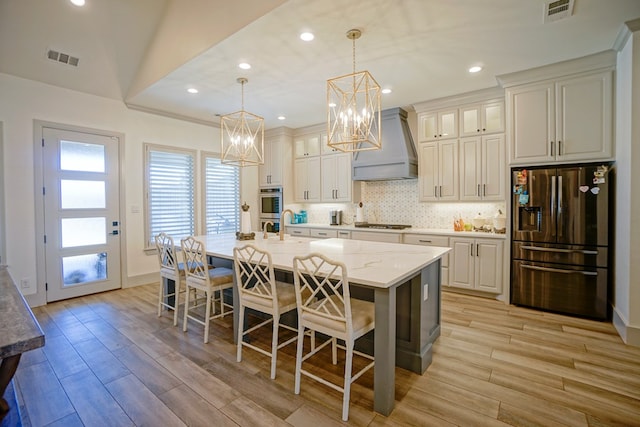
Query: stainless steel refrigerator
[{"x": 561, "y": 238}]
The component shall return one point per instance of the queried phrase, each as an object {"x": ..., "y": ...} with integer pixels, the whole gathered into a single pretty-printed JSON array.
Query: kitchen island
[
  {"x": 402, "y": 280},
  {"x": 19, "y": 333}
]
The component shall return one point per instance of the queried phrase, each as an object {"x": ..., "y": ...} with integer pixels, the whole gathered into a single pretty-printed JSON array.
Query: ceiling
[{"x": 147, "y": 53}]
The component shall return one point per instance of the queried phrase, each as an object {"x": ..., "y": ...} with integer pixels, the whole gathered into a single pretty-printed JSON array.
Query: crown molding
[{"x": 163, "y": 113}]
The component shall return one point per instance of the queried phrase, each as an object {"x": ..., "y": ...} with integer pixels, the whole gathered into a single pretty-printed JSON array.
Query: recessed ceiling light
[
  {"x": 307, "y": 36},
  {"x": 192, "y": 90},
  {"x": 281, "y": 117},
  {"x": 244, "y": 65},
  {"x": 475, "y": 69},
  {"x": 78, "y": 2},
  {"x": 385, "y": 91}
]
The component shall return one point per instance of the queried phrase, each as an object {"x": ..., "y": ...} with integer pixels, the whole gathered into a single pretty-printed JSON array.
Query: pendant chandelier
[
  {"x": 353, "y": 109},
  {"x": 242, "y": 136}
]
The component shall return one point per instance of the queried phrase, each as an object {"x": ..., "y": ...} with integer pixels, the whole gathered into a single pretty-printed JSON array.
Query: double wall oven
[{"x": 270, "y": 208}]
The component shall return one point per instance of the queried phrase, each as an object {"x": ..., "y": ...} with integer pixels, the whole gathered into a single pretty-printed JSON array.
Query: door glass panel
[
  {"x": 80, "y": 156},
  {"x": 84, "y": 268},
  {"x": 492, "y": 118},
  {"x": 448, "y": 122},
  {"x": 83, "y": 231},
  {"x": 470, "y": 121},
  {"x": 76, "y": 194}
]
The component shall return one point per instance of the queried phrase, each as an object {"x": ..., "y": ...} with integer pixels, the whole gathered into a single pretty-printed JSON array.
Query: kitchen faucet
[
  {"x": 282, "y": 221},
  {"x": 266, "y": 225}
]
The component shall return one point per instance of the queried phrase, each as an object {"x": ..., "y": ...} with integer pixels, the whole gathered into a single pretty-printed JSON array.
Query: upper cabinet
[
  {"x": 482, "y": 168},
  {"x": 482, "y": 119},
  {"x": 307, "y": 180},
  {"x": 437, "y": 125},
  {"x": 271, "y": 172},
  {"x": 307, "y": 145},
  {"x": 438, "y": 171},
  {"x": 562, "y": 113},
  {"x": 336, "y": 178}
]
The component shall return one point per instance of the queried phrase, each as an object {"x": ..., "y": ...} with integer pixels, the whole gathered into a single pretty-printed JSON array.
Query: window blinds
[{"x": 222, "y": 197}]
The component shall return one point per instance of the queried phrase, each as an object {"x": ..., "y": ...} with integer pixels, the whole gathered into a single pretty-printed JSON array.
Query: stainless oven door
[{"x": 576, "y": 290}]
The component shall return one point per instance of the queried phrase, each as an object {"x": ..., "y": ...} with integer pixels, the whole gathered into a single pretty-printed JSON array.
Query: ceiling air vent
[
  {"x": 558, "y": 9},
  {"x": 64, "y": 58}
]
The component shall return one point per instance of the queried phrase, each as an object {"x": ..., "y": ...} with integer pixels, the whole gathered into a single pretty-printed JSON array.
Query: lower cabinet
[
  {"x": 297, "y": 231},
  {"x": 374, "y": 236},
  {"x": 430, "y": 240},
  {"x": 476, "y": 264},
  {"x": 322, "y": 233}
]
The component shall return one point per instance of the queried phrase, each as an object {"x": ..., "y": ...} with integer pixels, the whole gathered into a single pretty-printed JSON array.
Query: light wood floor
[{"x": 109, "y": 360}]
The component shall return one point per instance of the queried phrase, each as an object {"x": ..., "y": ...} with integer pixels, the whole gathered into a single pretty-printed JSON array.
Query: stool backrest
[{"x": 254, "y": 273}]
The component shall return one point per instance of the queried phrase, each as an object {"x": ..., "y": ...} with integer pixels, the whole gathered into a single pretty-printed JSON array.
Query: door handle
[
  {"x": 558, "y": 270},
  {"x": 552, "y": 151},
  {"x": 564, "y": 251}
]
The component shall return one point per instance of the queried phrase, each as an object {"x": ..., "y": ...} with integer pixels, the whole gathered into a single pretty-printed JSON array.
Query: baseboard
[
  {"x": 142, "y": 279},
  {"x": 629, "y": 334}
]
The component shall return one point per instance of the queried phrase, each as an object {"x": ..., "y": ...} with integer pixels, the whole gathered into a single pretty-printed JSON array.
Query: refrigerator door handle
[
  {"x": 564, "y": 251},
  {"x": 560, "y": 224},
  {"x": 553, "y": 199},
  {"x": 558, "y": 270}
]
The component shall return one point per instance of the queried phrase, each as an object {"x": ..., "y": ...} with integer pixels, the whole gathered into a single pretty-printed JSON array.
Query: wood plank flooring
[{"x": 109, "y": 360}]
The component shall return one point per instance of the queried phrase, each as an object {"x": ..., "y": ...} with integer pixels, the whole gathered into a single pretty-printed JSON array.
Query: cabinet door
[
  {"x": 493, "y": 173},
  {"x": 313, "y": 179},
  {"x": 343, "y": 184},
  {"x": 448, "y": 124},
  {"x": 271, "y": 171},
  {"x": 428, "y": 127},
  {"x": 470, "y": 120},
  {"x": 461, "y": 263},
  {"x": 308, "y": 145},
  {"x": 470, "y": 169},
  {"x": 264, "y": 170},
  {"x": 428, "y": 174},
  {"x": 532, "y": 123},
  {"x": 300, "y": 173},
  {"x": 448, "y": 163},
  {"x": 584, "y": 117},
  {"x": 328, "y": 172},
  {"x": 488, "y": 274},
  {"x": 324, "y": 146},
  {"x": 492, "y": 117}
]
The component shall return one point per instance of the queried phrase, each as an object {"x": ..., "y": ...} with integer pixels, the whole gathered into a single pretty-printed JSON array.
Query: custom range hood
[{"x": 397, "y": 159}]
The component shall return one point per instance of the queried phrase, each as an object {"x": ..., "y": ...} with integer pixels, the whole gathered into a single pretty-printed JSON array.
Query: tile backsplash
[{"x": 396, "y": 202}]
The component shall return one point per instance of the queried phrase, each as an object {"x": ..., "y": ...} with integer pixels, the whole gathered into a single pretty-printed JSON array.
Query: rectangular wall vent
[
  {"x": 64, "y": 58},
  {"x": 557, "y": 9}
]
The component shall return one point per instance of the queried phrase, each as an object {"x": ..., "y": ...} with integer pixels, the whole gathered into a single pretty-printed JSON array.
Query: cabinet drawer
[
  {"x": 298, "y": 231},
  {"x": 344, "y": 234},
  {"x": 373, "y": 236},
  {"x": 323, "y": 234},
  {"x": 429, "y": 240}
]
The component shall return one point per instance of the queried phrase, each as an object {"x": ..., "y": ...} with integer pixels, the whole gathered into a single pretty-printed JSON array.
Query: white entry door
[{"x": 81, "y": 213}]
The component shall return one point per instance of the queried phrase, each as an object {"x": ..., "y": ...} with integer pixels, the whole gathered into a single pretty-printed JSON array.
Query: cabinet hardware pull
[
  {"x": 471, "y": 249},
  {"x": 322, "y": 234},
  {"x": 478, "y": 130},
  {"x": 484, "y": 189},
  {"x": 424, "y": 241},
  {"x": 478, "y": 193},
  {"x": 484, "y": 129},
  {"x": 440, "y": 192},
  {"x": 559, "y": 148},
  {"x": 435, "y": 191},
  {"x": 552, "y": 152},
  {"x": 557, "y": 270},
  {"x": 435, "y": 136},
  {"x": 477, "y": 249}
]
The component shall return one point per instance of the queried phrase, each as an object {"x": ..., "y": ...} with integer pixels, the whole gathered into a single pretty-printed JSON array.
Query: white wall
[
  {"x": 627, "y": 256},
  {"x": 23, "y": 101}
]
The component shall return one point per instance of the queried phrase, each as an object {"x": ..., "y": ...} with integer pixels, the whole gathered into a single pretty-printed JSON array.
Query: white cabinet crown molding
[
  {"x": 598, "y": 61},
  {"x": 456, "y": 101}
]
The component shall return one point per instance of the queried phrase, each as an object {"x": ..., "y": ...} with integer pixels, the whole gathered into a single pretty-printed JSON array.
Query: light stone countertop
[
  {"x": 19, "y": 330},
  {"x": 436, "y": 231},
  {"x": 374, "y": 264}
]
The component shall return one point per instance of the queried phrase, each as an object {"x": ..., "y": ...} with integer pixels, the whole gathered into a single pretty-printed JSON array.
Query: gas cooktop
[{"x": 384, "y": 226}]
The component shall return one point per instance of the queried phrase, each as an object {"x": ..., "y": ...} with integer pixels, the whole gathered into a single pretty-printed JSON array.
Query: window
[
  {"x": 170, "y": 190},
  {"x": 221, "y": 196}
]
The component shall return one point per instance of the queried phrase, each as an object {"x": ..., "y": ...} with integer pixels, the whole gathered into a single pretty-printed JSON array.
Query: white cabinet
[
  {"x": 336, "y": 178},
  {"x": 482, "y": 168},
  {"x": 307, "y": 179},
  {"x": 476, "y": 264},
  {"x": 276, "y": 150},
  {"x": 562, "y": 120},
  {"x": 375, "y": 236},
  {"x": 482, "y": 118},
  {"x": 307, "y": 145},
  {"x": 344, "y": 234},
  {"x": 297, "y": 231},
  {"x": 323, "y": 233},
  {"x": 438, "y": 125},
  {"x": 431, "y": 240},
  {"x": 438, "y": 170}
]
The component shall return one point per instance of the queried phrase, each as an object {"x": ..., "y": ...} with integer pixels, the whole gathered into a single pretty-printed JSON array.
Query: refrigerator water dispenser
[{"x": 530, "y": 218}]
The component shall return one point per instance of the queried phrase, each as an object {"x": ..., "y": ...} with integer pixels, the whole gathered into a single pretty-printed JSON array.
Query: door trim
[{"x": 40, "y": 297}]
